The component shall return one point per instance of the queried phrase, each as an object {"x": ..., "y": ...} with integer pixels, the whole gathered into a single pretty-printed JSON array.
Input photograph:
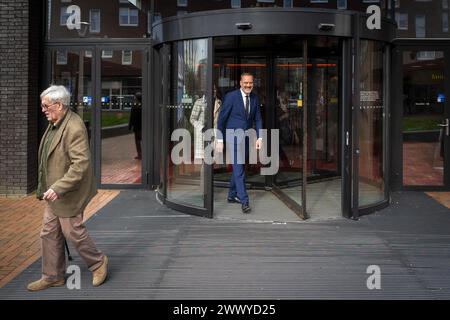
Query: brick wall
[{"x": 20, "y": 54}]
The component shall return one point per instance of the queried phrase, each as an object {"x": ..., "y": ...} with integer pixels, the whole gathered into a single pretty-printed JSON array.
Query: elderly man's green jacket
[{"x": 69, "y": 168}]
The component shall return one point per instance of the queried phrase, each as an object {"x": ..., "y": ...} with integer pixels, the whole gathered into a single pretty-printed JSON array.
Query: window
[
  {"x": 64, "y": 16},
  {"x": 425, "y": 55},
  {"x": 420, "y": 26},
  {"x": 123, "y": 1},
  {"x": 128, "y": 17},
  {"x": 342, "y": 4},
  {"x": 319, "y": 1},
  {"x": 107, "y": 54},
  {"x": 88, "y": 54},
  {"x": 66, "y": 1},
  {"x": 157, "y": 17},
  {"x": 444, "y": 22},
  {"x": 235, "y": 3},
  {"x": 182, "y": 3},
  {"x": 402, "y": 20},
  {"x": 371, "y": 1},
  {"x": 94, "y": 20},
  {"x": 61, "y": 57},
  {"x": 287, "y": 3},
  {"x": 444, "y": 4},
  {"x": 127, "y": 57},
  {"x": 397, "y": 3}
]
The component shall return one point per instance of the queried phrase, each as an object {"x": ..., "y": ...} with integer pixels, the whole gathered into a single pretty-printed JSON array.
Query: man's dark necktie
[{"x": 247, "y": 105}]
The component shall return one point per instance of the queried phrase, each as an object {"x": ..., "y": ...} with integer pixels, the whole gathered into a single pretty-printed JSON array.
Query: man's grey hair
[{"x": 57, "y": 94}]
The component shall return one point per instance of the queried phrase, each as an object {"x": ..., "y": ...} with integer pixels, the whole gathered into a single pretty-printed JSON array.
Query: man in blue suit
[{"x": 240, "y": 110}]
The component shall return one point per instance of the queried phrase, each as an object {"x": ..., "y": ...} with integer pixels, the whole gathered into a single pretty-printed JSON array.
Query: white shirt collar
[{"x": 244, "y": 94}]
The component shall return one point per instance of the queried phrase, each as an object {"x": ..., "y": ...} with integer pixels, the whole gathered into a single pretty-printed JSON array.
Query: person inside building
[{"x": 135, "y": 124}]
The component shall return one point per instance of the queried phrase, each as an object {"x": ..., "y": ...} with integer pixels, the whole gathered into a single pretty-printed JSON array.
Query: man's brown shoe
[
  {"x": 99, "y": 275},
  {"x": 42, "y": 284}
]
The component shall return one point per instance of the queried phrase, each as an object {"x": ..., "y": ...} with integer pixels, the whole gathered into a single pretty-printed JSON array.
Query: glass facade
[
  {"x": 73, "y": 69},
  {"x": 423, "y": 116},
  {"x": 110, "y": 96},
  {"x": 121, "y": 116},
  {"x": 186, "y": 115}
]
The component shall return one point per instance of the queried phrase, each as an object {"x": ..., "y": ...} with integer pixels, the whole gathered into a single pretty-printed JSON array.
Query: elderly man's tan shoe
[
  {"x": 99, "y": 275},
  {"x": 42, "y": 284}
]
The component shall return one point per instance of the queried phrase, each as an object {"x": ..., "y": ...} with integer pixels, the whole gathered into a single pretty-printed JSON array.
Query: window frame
[
  {"x": 104, "y": 56},
  {"x": 235, "y": 5},
  {"x": 444, "y": 14},
  {"x": 99, "y": 21},
  {"x": 130, "y": 62},
  {"x": 399, "y": 14},
  {"x": 63, "y": 13},
  {"x": 424, "y": 18},
  {"x": 61, "y": 53},
  {"x": 128, "y": 24},
  {"x": 291, "y": 4},
  {"x": 342, "y": 7}
]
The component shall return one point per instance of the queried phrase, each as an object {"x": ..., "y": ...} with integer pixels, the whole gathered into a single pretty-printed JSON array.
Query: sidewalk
[
  {"x": 158, "y": 253},
  {"x": 20, "y": 225}
]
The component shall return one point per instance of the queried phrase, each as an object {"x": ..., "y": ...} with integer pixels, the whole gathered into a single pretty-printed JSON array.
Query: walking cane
[{"x": 68, "y": 252}]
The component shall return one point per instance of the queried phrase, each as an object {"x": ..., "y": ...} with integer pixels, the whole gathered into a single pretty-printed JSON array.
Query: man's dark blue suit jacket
[{"x": 232, "y": 114}]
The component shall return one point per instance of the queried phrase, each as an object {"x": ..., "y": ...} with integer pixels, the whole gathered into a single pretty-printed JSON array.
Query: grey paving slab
[{"x": 157, "y": 253}]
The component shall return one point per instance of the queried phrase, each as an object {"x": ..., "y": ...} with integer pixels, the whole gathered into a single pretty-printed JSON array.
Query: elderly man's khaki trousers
[{"x": 54, "y": 230}]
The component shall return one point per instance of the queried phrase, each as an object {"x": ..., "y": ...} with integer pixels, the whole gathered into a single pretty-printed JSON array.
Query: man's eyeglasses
[{"x": 46, "y": 106}]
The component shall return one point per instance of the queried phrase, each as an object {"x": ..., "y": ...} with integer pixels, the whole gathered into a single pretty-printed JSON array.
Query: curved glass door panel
[
  {"x": 324, "y": 191},
  {"x": 288, "y": 82},
  {"x": 371, "y": 124},
  {"x": 162, "y": 68},
  {"x": 186, "y": 118}
]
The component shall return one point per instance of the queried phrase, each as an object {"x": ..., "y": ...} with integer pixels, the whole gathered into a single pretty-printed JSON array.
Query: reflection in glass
[
  {"x": 187, "y": 112},
  {"x": 72, "y": 69},
  {"x": 121, "y": 119},
  {"x": 371, "y": 124},
  {"x": 324, "y": 174},
  {"x": 288, "y": 80},
  {"x": 288, "y": 86},
  {"x": 423, "y": 112}
]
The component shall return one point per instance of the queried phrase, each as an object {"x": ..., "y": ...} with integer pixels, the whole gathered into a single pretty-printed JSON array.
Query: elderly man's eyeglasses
[{"x": 46, "y": 106}]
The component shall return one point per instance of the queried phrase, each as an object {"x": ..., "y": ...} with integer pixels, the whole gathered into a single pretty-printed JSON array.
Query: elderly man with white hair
[{"x": 66, "y": 183}]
